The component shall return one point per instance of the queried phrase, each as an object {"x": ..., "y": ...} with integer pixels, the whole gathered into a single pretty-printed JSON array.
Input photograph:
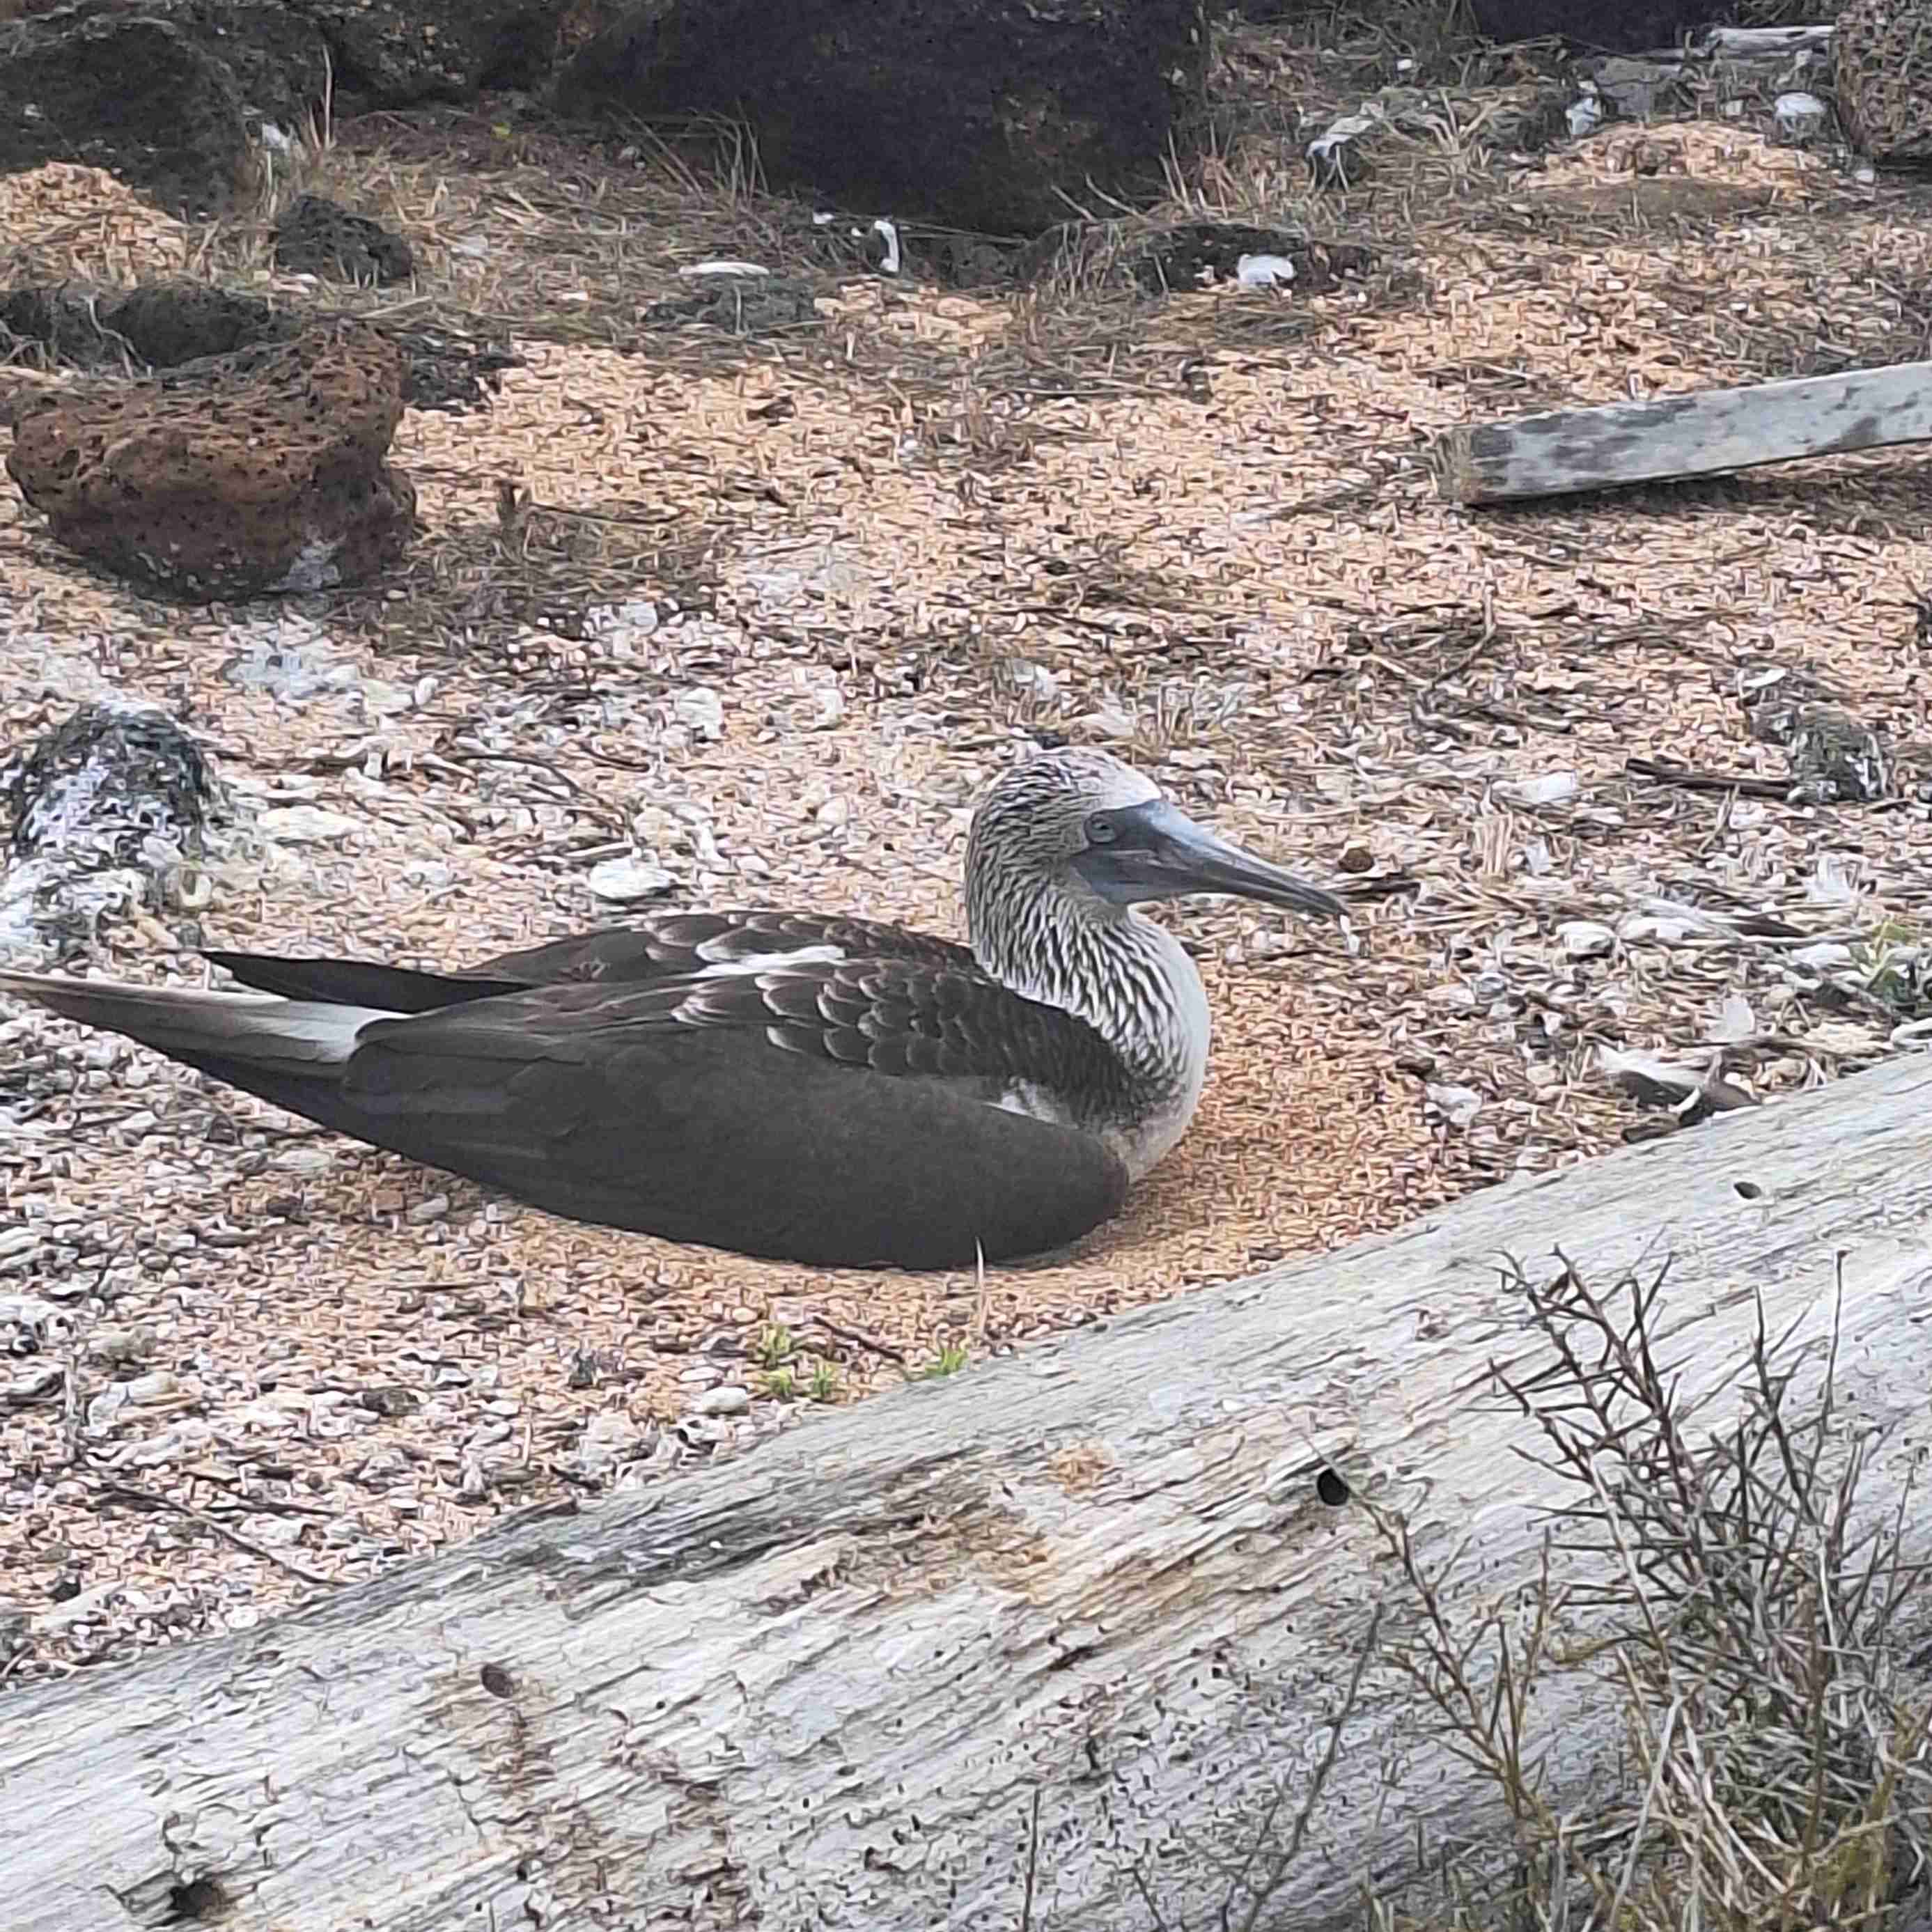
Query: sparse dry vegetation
[{"x": 1759, "y": 1626}]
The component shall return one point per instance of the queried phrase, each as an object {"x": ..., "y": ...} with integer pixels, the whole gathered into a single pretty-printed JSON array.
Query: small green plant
[
  {"x": 824, "y": 1383},
  {"x": 950, "y": 1360},
  {"x": 776, "y": 1347},
  {"x": 781, "y": 1383}
]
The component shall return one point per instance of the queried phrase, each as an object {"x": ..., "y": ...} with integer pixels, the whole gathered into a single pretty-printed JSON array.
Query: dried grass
[{"x": 1749, "y": 1613}]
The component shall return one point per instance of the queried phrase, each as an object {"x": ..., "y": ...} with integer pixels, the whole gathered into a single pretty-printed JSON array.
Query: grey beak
[{"x": 1159, "y": 853}]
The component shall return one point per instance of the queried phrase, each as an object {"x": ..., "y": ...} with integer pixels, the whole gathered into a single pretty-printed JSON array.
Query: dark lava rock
[
  {"x": 257, "y": 472},
  {"x": 127, "y": 772},
  {"x": 390, "y": 53},
  {"x": 740, "y": 305},
  {"x": 1602, "y": 26},
  {"x": 280, "y": 61},
  {"x": 159, "y": 323},
  {"x": 167, "y": 324},
  {"x": 317, "y": 236},
  {"x": 1197, "y": 253},
  {"x": 171, "y": 96},
  {"x": 973, "y": 111},
  {"x": 105, "y": 808},
  {"x": 134, "y": 94}
]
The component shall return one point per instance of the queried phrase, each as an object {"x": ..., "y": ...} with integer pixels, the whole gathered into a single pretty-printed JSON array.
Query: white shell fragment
[
  {"x": 1458, "y": 1105},
  {"x": 1552, "y": 788},
  {"x": 701, "y": 710},
  {"x": 1798, "y": 115},
  {"x": 1263, "y": 272},
  {"x": 305, "y": 824}
]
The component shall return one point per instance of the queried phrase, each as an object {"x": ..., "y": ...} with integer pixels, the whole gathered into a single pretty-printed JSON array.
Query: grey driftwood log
[
  {"x": 1562, "y": 451},
  {"x": 821, "y": 1684}
]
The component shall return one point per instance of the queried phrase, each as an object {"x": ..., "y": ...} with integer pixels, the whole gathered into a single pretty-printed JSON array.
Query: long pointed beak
[{"x": 1159, "y": 852}]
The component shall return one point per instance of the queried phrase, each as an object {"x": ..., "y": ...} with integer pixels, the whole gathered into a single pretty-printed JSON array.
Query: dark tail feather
[{"x": 359, "y": 983}]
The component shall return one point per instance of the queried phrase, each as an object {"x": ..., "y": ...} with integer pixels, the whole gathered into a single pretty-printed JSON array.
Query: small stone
[
  {"x": 1828, "y": 956},
  {"x": 1458, "y": 1105},
  {"x": 317, "y": 236},
  {"x": 1798, "y": 116},
  {"x": 730, "y": 1399},
  {"x": 1638, "y": 928},
  {"x": 1735, "y": 1020},
  {"x": 702, "y": 711},
  {"x": 301, "y": 1160},
  {"x": 1109, "y": 722},
  {"x": 610, "y": 1437},
  {"x": 623, "y": 881},
  {"x": 27, "y": 1311},
  {"x": 436, "y": 1208},
  {"x": 115, "y": 1346},
  {"x": 305, "y": 824}
]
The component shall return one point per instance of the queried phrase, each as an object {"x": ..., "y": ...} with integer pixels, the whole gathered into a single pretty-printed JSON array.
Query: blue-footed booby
[{"x": 795, "y": 1085}]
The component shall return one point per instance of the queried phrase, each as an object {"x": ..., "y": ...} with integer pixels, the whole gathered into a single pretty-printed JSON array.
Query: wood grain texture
[
  {"x": 1562, "y": 451},
  {"x": 819, "y": 1685}
]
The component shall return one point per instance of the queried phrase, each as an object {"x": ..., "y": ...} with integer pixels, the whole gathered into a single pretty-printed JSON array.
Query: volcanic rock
[{"x": 232, "y": 477}]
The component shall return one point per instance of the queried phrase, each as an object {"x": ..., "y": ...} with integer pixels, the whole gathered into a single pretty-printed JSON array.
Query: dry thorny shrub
[
  {"x": 1754, "y": 1626},
  {"x": 1748, "y": 1611}
]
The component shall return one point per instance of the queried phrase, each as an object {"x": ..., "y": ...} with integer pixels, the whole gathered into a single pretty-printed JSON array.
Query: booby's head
[{"x": 1078, "y": 827}]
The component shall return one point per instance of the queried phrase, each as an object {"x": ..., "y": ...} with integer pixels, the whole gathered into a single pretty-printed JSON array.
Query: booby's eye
[{"x": 1101, "y": 830}]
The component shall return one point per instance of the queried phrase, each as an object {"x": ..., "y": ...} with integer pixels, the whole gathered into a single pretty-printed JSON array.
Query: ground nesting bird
[{"x": 796, "y": 1085}]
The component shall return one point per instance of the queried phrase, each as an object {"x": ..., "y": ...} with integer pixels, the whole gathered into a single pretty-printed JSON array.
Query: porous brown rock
[
  {"x": 988, "y": 114},
  {"x": 236, "y": 476},
  {"x": 1883, "y": 51}
]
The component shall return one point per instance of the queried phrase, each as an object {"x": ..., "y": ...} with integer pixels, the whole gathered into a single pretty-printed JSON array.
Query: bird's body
[{"x": 830, "y": 1090}]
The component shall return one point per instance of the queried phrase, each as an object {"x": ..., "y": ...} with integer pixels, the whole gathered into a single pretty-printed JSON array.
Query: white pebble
[{"x": 1586, "y": 938}]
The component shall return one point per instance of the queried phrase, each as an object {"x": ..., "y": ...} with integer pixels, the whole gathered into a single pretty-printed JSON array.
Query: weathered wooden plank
[
  {"x": 1562, "y": 451},
  {"x": 1766, "y": 43},
  {"x": 819, "y": 1685}
]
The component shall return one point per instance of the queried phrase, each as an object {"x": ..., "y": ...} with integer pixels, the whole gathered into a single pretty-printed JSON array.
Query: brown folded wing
[{"x": 834, "y": 1114}]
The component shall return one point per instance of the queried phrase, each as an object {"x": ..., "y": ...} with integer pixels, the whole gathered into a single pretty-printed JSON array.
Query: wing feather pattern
[
  {"x": 668, "y": 945},
  {"x": 727, "y": 1111}
]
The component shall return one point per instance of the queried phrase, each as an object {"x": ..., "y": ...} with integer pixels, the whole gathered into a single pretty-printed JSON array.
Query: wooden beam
[
  {"x": 1700, "y": 434},
  {"x": 822, "y": 1684},
  {"x": 1766, "y": 43}
]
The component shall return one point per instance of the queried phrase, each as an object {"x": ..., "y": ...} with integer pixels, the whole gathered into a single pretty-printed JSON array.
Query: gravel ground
[{"x": 724, "y": 618}]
